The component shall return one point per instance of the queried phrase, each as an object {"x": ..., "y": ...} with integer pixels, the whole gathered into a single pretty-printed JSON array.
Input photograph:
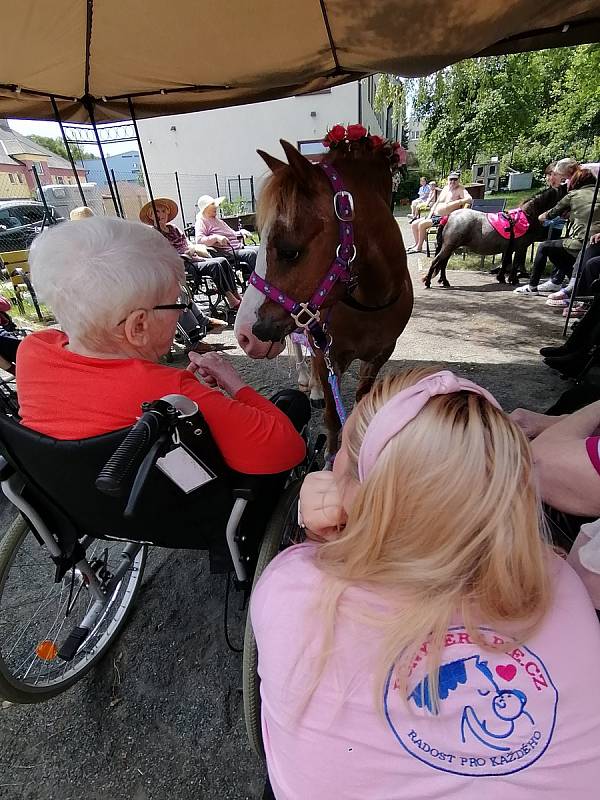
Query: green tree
[
  {"x": 527, "y": 108},
  {"x": 390, "y": 92},
  {"x": 57, "y": 146}
]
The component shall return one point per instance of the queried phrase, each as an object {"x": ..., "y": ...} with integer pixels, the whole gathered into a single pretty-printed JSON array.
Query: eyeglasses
[
  {"x": 183, "y": 303},
  {"x": 452, "y": 179}
]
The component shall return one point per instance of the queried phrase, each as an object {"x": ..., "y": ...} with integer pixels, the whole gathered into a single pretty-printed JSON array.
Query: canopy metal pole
[
  {"x": 89, "y": 104},
  {"x": 67, "y": 148},
  {"x": 47, "y": 215},
  {"x": 114, "y": 180},
  {"x": 583, "y": 247},
  {"x": 180, "y": 200},
  {"x": 143, "y": 160},
  {"x": 217, "y": 184}
]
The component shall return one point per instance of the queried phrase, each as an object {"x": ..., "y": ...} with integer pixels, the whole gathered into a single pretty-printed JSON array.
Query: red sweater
[{"x": 68, "y": 396}]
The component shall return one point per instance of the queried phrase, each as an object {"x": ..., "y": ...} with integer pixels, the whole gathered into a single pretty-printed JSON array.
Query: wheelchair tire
[
  {"x": 22, "y": 555},
  {"x": 280, "y": 533}
]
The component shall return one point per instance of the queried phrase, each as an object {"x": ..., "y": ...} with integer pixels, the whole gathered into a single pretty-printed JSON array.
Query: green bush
[
  {"x": 232, "y": 208},
  {"x": 408, "y": 187}
]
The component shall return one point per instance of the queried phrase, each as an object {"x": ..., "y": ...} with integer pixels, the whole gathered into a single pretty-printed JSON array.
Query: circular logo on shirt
[{"x": 496, "y": 715}]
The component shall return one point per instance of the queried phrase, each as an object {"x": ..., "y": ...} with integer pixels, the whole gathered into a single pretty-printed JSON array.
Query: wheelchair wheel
[
  {"x": 37, "y": 614},
  {"x": 281, "y": 532}
]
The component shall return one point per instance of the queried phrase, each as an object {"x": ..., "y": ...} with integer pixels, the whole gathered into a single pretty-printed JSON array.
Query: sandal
[{"x": 558, "y": 299}]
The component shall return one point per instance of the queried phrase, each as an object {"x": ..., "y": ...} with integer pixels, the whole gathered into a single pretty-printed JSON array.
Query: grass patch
[{"x": 30, "y": 318}]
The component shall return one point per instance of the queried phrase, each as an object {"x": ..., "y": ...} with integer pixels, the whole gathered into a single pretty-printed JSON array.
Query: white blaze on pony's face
[{"x": 247, "y": 314}]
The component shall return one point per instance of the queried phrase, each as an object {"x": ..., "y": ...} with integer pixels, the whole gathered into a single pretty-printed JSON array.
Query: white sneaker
[
  {"x": 527, "y": 289},
  {"x": 548, "y": 287}
]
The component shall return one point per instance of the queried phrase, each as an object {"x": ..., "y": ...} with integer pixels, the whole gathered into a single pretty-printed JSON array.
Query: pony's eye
[{"x": 288, "y": 254}]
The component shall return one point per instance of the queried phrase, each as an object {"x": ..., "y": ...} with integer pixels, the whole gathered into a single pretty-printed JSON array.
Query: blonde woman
[{"x": 425, "y": 642}]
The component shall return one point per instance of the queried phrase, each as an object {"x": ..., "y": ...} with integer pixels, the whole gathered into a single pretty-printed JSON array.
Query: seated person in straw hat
[
  {"x": 214, "y": 232},
  {"x": 421, "y": 639},
  {"x": 218, "y": 269},
  {"x": 91, "y": 377}
]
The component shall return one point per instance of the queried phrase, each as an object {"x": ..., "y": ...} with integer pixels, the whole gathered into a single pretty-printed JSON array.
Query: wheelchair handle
[{"x": 116, "y": 475}]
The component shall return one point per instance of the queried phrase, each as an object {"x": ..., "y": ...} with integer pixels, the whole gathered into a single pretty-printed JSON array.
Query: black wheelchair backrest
[{"x": 60, "y": 482}]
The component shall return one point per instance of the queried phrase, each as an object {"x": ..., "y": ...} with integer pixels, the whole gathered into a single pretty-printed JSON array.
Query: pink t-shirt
[{"x": 512, "y": 726}]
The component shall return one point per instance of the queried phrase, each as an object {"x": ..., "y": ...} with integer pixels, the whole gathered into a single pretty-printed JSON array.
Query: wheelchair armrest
[{"x": 245, "y": 486}]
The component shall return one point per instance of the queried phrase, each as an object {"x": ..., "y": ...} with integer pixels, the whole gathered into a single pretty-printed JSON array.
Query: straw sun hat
[{"x": 147, "y": 214}]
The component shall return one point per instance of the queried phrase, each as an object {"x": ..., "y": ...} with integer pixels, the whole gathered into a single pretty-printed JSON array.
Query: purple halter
[{"x": 307, "y": 316}]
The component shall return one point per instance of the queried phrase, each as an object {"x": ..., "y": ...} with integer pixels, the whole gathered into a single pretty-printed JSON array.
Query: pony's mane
[
  {"x": 541, "y": 201},
  {"x": 281, "y": 191},
  {"x": 278, "y": 198}
]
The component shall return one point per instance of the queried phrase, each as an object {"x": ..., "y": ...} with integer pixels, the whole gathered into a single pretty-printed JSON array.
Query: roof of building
[{"x": 14, "y": 144}]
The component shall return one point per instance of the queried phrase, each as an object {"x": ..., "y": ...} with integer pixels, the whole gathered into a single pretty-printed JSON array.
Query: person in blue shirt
[{"x": 421, "y": 198}]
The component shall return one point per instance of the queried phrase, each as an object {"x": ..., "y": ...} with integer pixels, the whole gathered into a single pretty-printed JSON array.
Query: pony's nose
[{"x": 253, "y": 347}]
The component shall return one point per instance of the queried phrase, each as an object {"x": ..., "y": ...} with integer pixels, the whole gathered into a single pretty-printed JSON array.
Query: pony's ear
[
  {"x": 301, "y": 166},
  {"x": 272, "y": 163}
]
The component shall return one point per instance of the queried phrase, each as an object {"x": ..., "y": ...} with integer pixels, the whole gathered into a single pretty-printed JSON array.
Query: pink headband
[{"x": 403, "y": 407}]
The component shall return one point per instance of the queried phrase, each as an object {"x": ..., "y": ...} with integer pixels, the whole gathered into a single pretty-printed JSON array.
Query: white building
[
  {"x": 214, "y": 152},
  {"x": 414, "y": 128}
]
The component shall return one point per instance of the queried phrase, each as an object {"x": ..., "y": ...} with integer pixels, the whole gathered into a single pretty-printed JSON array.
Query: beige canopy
[{"x": 189, "y": 55}]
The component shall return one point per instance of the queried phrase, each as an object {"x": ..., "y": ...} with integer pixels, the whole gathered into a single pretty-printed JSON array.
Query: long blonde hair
[{"x": 447, "y": 523}]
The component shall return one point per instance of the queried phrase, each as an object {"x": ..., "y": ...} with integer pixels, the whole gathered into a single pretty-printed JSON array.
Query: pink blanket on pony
[{"x": 503, "y": 221}]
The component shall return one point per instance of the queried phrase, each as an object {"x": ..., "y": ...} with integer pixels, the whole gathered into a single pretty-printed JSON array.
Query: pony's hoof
[
  {"x": 501, "y": 279},
  {"x": 446, "y": 285},
  {"x": 514, "y": 281},
  {"x": 317, "y": 402}
]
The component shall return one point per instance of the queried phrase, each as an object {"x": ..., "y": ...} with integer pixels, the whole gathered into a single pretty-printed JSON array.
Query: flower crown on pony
[{"x": 341, "y": 138}]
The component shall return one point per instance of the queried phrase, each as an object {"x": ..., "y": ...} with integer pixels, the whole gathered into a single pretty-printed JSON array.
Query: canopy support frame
[
  {"x": 57, "y": 117},
  {"x": 143, "y": 160}
]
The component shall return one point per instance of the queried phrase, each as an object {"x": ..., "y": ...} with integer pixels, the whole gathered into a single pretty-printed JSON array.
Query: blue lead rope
[{"x": 335, "y": 390}]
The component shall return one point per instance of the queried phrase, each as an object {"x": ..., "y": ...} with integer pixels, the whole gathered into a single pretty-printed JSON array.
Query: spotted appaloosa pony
[
  {"x": 299, "y": 240},
  {"x": 472, "y": 229}
]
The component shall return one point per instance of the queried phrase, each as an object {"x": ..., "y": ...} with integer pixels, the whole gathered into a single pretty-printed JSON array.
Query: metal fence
[{"x": 21, "y": 222}]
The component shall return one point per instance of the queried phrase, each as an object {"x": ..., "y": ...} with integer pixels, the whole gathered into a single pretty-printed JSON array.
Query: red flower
[
  {"x": 335, "y": 135},
  {"x": 377, "y": 142},
  {"x": 356, "y": 132}
]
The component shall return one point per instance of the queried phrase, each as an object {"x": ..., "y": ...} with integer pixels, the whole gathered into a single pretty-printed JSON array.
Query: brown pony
[{"x": 299, "y": 238}]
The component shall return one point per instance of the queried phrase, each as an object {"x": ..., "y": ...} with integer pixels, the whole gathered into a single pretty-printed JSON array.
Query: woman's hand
[
  {"x": 595, "y": 239},
  {"x": 321, "y": 510},
  {"x": 215, "y": 370},
  {"x": 543, "y": 217},
  {"x": 532, "y": 423}
]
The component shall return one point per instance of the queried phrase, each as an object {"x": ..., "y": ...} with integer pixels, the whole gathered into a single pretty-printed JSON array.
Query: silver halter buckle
[
  {"x": 336, "y": 205},
  {"x": 311, "y": 316}
]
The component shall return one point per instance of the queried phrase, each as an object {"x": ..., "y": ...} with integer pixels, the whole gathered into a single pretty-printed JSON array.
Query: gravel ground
[{"x": 162, "y": 717}]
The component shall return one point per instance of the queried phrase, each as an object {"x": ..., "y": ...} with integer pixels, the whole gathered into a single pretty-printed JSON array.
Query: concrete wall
[{"x": 224, "y": 141}]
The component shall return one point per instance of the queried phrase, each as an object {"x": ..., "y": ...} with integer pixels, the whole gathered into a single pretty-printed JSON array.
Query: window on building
[
  {"x": 12, "y": 178},
  {"x": 40, "y": 166},
  {"x": 59, "y": 179},
  {"x": 21, "y": 177},
  {"x": 313, "y": 149}
]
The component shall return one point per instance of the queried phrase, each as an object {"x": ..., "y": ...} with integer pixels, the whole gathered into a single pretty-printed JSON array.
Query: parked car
[{"x": 20, "y": 222}]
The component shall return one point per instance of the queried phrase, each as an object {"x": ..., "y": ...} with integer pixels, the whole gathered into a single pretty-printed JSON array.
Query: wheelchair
[{"x": 72, "y": 562}]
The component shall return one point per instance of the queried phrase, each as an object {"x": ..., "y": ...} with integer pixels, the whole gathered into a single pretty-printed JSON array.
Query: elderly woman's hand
[
  {"x": 215, "y": 370},
  {"x": 321, "y": 510}
]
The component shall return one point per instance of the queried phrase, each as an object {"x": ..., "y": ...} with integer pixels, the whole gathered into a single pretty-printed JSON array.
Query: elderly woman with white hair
[
  {"x": 214, "y": 232},
  {"x": 117, "y": 289}
]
